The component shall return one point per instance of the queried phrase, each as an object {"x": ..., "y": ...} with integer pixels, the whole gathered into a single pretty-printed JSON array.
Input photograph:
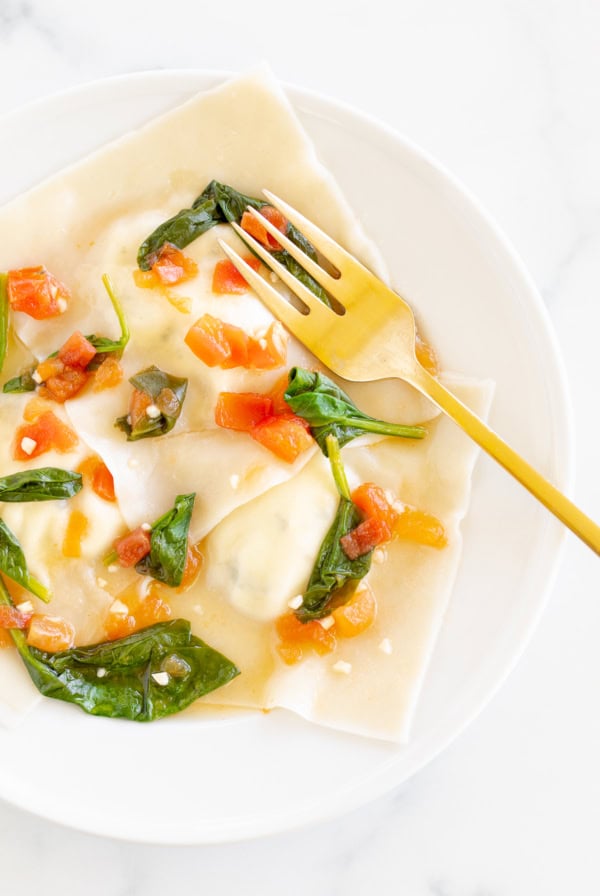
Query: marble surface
[{"x": 507, "y": 95}]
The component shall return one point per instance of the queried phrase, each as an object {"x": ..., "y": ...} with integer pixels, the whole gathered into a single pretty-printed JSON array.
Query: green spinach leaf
[
  {"x": 329, "y": 411},
  {"x": 3, "y": 317},
  {"x": 117, "y": 678},
  {"x": 22, "y": 383},
  {"x": 180, "y": 230},
  {"x": 335, "y": 576},
  {"x": 13, "y": 563},
  {"x": 43, "y": 484},
  {"x": 166, "y": 392},
  {"x": 169, "y": 543}
]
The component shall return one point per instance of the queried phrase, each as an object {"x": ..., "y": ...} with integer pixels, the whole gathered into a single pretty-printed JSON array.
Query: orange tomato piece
[
  {"x": 172, "y": 266},
  {"x": 270, "y": 351},
  {"x": 238, "y": 343},
  {"x": 108, "y": 375},
  {"x": 35, "y": 408},
  {"x": 48, "y": 432},
  {"x": 227, "y": 280},
  {"x": 50, "y": 633},
  {"x": 193, "y": 564},
  {"x": 65, "y": 385},
  {"x": 286, "y": 436},
  {"x": 77, "y": 351},
  {"x": 208, "y": 341},
  {"x": 77, "y": 527},
  {"x": 426, "y": 355},
  {"x": 145, "y": 279},
  {"x": 355, "y": 616},
  {"x": 37, "y": 292},
  {"x": 250, "y": 224},
  {"x": 277, "y": 393},
  {"x": 298, "y": 637},
  {"x": 422, "y": 527},
  {"x": 144, "y": 608},
  {"x": 242, "y": 410},
  {"x": 97, "y": 475},
  {"x": 10, "y": 617},
  {"x": 133, "y": 546},
  {"x": 366, "y": 536},
  {"x": 49, "y": 368},
  {"x": 373, "y": 502},
  {"x": 138, "y": 403},
  {"x": 5, "y": 639}
]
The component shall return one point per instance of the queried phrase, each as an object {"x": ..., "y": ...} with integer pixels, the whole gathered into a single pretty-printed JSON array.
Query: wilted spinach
[
  {"x": 22, "y": 383},
  {"x": 43, "y": 484},
  {"x": 3, "y": 317},
  {"x": 169, "y": 543},
  {"x": 334, "y": 576},
  {"x": 115, "y": 678},
  {"x": 219, "y": 203},
  {"x": 14, "y": 564},
  {"x": 329, "y": 411},
  {"x": 166, "y": 392}
]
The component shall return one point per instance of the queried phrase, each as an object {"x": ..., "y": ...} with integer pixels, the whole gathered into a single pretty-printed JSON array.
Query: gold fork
[{"x": 374, "y": 338}]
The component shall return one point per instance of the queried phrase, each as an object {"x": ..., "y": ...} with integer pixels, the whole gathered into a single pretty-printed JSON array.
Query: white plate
[{"x": 190, "y": 781}]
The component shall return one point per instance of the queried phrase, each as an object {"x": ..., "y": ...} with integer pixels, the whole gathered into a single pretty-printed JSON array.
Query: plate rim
[{"x": 383, "y": 780}]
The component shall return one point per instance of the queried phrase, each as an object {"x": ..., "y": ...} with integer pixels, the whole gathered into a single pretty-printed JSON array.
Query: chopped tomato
[
  {"x": 77, "y": 527},
  {"x": 35, "y": 408},
  {"x": 172, "y": 266},
  {"x": 426, "y": 355},
  {"x": 242, "y": 410},
  {"x": 10, "y": 617},
  {"x": 65, "y": 385},
  {"x": 269, "y": 351},
  {"x": 77, "y": 351},
  {"x": 48, "y": 433},
  {"x": 98, "y": 476},
  {"x": 37, "y": 292},
  {"x": 373, "y": 502},
  {"x": 144, "y": 608},
  {"x": 5, "y": 639},
  {"x": 208, "y": 341},
  {"x": 357, "y": 614},
  {"x": 145, "y": 279},
  {"x": 49, "y": 368},
  {"x": 108, "y": 375},
  {"x": 138, "y": 403},
  {"x": 277, "y": 394},
  {"x": 238, "y": 343},
  {"x": 286, "y": 436},
  {"x": 227, "y": 280},
  {"x": 193, "y": 563},
  {"x": 50, "y": 633},
  {"x": 366, "y": 536},
  {"x": 297, "y": 637},
  {"x": 132, "y": 547},
  {"x": 422, "y": 527},
  {"x": 254, "y": 227}
]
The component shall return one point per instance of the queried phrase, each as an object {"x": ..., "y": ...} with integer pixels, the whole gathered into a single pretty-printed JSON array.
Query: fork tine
[
  {"x": 315, "y": 305},
  {"x": 315, "y": 270},
  {"x": 340, "y": 258},
  {"x": 293, "y": 319}
]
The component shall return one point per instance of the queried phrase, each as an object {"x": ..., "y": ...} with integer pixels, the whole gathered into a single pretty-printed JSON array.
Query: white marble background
[{"x": 507, "y": 95}]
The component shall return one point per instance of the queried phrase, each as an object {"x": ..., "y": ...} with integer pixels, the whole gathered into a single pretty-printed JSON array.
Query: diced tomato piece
[
  {"x": 108, "y": 375},
  {"x": 238, "y": 342},
  {"x": 10, "y": 617},
  {"x": 5, "y": 639},
  {"x": 286, "y": 436},
  {"x": 252, "y": 226},
  {"x": 421, "y": 527},
  {"x": 270, "y": 351},
  {"x": 77, "y": 527},
  {"x": 49, "y": 368},
  {"x": 77, "y": 351},
  {"x": 103, "y": 482},
  {"x": 50, "y": 633},
  {"x": 426, "y": 355},
  {"x": 145, "y": 279},
  {"x": 48, "y": 433},
  {"x": 297, "y": 637},
  {"x": 143, "y": 609},
  {"x": 242, "y": 410},
  {"x": 133, "y": 547},
  {"x": 138, "y": 403},
  {"x": 277, "y": 394},
  {"x": 357, "y": 614},
  {"x": 193, "y": 564},
  {"x": 366, "y": 536},
  {"x": 227, "y": 280},
  {"x": 208, "y": 341},
  {"x": 172, "y": 266},
  {"x": 35, "y": 408},
  {"x": 373, "y": 502},
  {"x": 65, "y": 385},
  {"x": 37, "y": 292}
]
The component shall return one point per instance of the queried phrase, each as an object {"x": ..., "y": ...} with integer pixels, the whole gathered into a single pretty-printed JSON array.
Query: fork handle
[{"x": 557, "y": 503}]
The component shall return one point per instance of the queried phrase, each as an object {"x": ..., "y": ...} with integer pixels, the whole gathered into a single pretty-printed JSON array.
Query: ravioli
[{"x": 259, "y": 519}]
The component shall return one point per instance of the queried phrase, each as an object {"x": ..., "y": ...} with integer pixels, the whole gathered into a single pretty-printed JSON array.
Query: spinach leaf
[
  {"x": 169, "y": 543},
  {"x": 22, "y": 383},
  {"x": 167, "y": 394},
  {"x": 329, "y": 411},
  {"x": 3, "y": 317},
  {"x": 43, "y": 484},
  {"x": 13, "y": 563},
  {"x": 334, "y": 576},
  {"x": 216, "y": 204},
  {"x": 115, "y": 678}
]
